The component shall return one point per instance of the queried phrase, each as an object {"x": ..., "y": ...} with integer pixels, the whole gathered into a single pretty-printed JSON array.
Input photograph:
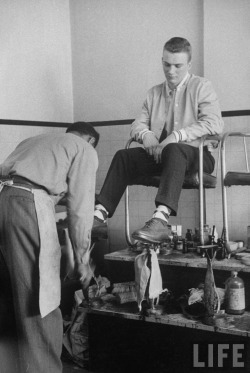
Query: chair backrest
[
  {"x": 230, "y": 178},
  {"x": 239, "y": 177}
]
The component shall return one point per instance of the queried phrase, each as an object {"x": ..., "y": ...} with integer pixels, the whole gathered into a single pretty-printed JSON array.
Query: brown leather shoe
[{"x": 155, "y": 230}]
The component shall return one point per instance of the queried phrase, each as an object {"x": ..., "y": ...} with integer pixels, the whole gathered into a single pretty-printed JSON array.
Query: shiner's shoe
[{"x": 155, "y": 230}]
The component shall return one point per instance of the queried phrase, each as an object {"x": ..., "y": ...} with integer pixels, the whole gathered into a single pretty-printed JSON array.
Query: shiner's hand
[
  {"x": 84, "y": 273},
  {"x": 84, "y": 269}
]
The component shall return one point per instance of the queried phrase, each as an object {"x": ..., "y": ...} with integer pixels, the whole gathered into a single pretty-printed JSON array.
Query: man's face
[{"x": 175, "y": 67}]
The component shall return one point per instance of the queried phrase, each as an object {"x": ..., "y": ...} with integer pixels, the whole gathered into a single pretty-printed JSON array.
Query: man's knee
[
  {"x": 127, "y": 154},
  {"x": 121, "y": 156},
  {"x": 121, "y": 153},
  {"x": 171, "y": 149}
]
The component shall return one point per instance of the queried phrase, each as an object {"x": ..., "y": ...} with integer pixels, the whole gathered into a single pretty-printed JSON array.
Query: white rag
[{"x": 143, "y": 274}]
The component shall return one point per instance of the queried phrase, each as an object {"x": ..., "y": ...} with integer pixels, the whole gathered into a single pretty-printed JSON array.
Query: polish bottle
[
  {"x": 216, "y": 236},
  {"x": 189, "y": 235},
  {"x": 221, "y": 252},
  {"x": 206, "y": 233},
  {"x": 184, "y": 246},
  {"x": 175, "y": 240},
  {"x": 235, "y": 295},
  {"x": 196, "y": 237}
]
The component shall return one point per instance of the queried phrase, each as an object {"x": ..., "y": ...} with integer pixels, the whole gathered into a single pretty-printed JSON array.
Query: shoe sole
[{"x": 145, "y": 239}]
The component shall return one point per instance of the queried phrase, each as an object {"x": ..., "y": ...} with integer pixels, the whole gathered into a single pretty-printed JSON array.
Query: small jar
[{"x": 179, "y": 246}]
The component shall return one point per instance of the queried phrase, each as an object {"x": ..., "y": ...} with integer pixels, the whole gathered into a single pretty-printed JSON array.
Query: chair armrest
[
  {"x": 130, "y": 142},
  {"x": 203, "y": 139},
  {"x": 208, "y": 139}
]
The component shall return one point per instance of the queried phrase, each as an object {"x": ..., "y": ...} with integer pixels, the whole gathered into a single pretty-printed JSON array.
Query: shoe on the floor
[{"x": 155, "y": 230}]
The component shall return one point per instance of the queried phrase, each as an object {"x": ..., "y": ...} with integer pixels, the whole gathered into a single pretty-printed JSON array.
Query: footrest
[{"x": 237, "y": 178}]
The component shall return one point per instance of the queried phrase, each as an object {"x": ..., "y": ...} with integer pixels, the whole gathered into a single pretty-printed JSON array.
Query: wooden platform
[
  {"x": 227, "y": 324},
  {"x": 122, "y": 339},
  {"x": 182, "y": 260},
  {"x": 235, "y": 325}
]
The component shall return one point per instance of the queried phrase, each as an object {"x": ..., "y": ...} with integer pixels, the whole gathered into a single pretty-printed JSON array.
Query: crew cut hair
[
  {"x": 84, "y": 128},
  {"x": 178, "y": 45}
]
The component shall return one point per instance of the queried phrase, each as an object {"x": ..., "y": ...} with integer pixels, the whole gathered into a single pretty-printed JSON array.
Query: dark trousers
[
  {"x": 38, "y": 340},
  {"x": 134, "y": 166}
]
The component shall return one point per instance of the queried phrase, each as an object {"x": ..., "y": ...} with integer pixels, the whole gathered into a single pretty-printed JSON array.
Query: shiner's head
[{"x": 85, "y": 130}]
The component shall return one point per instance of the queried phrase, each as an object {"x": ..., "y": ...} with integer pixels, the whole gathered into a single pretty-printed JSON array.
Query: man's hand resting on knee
[
  {"x": 157, "y": 150},
  {"x": 150, "y": 142}
]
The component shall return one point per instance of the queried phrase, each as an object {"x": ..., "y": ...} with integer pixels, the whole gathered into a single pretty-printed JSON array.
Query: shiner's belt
[{"x": 22, "y": 182}]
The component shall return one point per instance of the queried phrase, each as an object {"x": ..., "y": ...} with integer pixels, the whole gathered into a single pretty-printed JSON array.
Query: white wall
[
  {"x": 117, "y": 49},
  {"x": 116, "y": 52},
  {"x": 227, "y": 52},
  {"x": 35, "y": 62}
]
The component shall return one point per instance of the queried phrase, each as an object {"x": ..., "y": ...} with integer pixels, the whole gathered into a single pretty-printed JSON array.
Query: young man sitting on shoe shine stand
[{"x": 174, "y": 116}]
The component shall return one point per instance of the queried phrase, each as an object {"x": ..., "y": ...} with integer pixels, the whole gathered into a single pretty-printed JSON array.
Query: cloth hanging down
[{"x": 144, "y": 274}]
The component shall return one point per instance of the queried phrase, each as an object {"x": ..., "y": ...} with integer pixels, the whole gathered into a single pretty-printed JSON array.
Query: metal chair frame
[
  {"x": 200, "y": 186},
  {"x": 241, "y": 176}
]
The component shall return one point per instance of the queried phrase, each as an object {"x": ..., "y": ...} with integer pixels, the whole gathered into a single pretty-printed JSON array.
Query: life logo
[{"x": 221, "y": 356}]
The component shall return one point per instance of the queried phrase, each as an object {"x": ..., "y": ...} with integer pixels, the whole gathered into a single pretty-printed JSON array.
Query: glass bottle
[
  {"x": 184, "y": 246},
  {"x": 175, "y": 239},
  {"x": 235, "y": 295},
  {"x": 189, "y": 235},
  {"x": 206, "y": 233},
  {"x": 196, "y": 237}
]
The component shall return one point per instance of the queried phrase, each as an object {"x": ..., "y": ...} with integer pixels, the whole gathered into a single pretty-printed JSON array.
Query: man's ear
[{"x": 92, "y": 141}]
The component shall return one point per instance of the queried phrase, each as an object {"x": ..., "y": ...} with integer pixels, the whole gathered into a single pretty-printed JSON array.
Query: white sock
[
  {"x": 162, "y": 212},
  {"x": 101, "y": 213}
]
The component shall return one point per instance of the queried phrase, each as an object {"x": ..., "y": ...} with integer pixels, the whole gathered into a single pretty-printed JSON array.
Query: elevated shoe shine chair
[
  {"x": 197, "y": 180},
  {"x": 232, "y": 178}
]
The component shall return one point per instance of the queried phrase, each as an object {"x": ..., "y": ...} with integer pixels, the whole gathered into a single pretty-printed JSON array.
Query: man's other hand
[
  {"x": 150, "y": 142},
  {"x": 157, "y": 150}
]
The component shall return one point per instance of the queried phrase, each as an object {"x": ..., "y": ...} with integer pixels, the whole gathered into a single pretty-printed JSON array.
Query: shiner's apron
[{"x": 50, "y": 251}]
